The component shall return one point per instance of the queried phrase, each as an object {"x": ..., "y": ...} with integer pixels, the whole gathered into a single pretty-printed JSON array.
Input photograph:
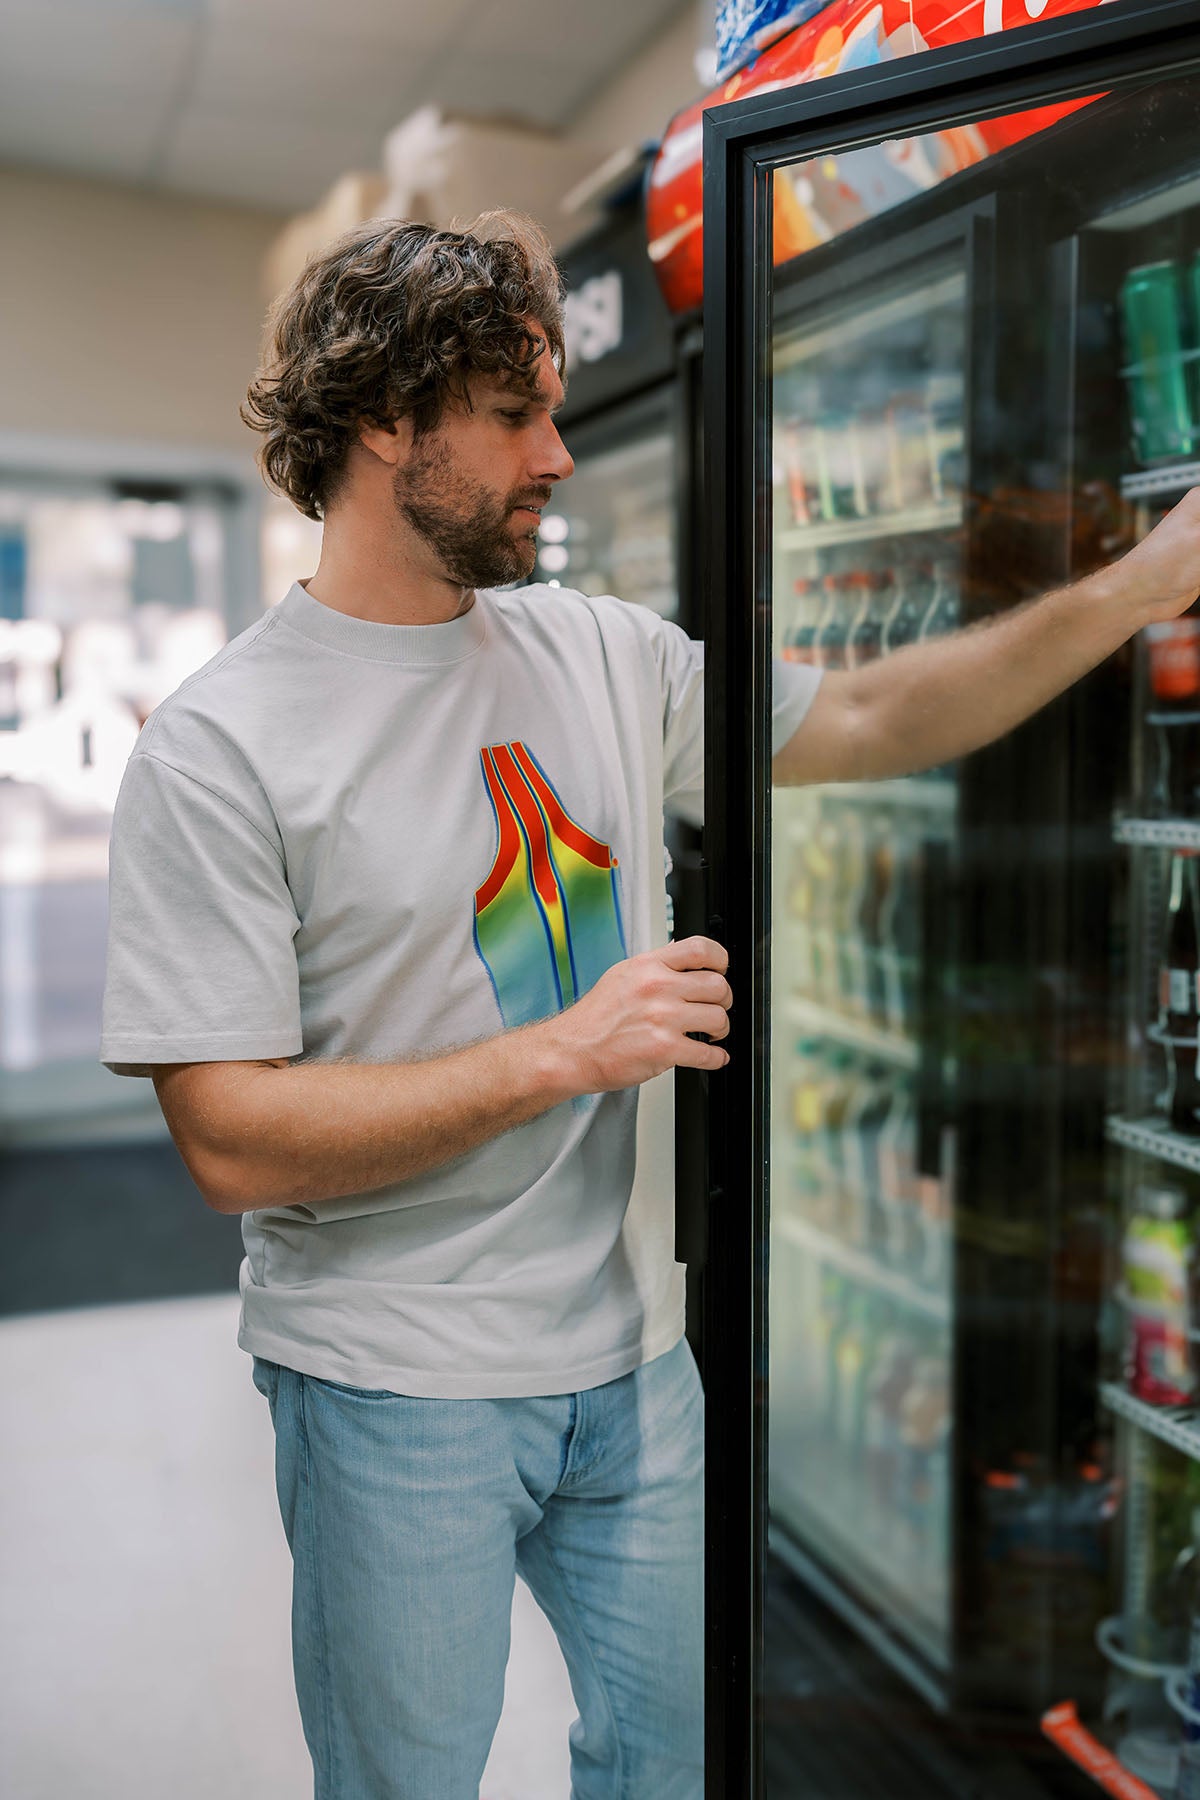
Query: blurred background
[{"x": 165, "y": 168}]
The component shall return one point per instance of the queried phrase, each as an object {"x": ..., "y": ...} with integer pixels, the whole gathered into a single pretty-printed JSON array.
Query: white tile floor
[{"x": 144, "y": 1577}]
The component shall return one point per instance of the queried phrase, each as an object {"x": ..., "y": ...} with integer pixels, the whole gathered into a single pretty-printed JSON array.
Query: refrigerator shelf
[
  {"x": 1178, "y": 1426},
  {"x": 1152, "y": 1136},
  {"x": 862, "y": 1267},
  {"x": 1147, "y": 484},
  {"x": 933, "y": 793},
  {"x": 856, "y": 1034},
  {"x": 1158, "y": 834},
  {"x": 941, "y": 516}
]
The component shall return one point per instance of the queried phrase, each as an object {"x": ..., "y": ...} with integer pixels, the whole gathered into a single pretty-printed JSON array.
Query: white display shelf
[
  {"x": 1152, "y": 1136},
  {"x": 934, "y": 793},
  {"x": 856, "y": 1034},
  {"x": 863, "y": 1268},
  {"x": 938, "y": 516},
  {"x": 1178, "y": 1426},
  {"x": 1172, "y": 478},
  {"x": 1158, "y": 834}
]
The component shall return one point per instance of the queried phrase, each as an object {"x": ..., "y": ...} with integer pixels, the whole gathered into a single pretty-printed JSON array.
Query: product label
[
  {"x": 1175, "y": 659},
  {"x": 1180, "y": 986}
]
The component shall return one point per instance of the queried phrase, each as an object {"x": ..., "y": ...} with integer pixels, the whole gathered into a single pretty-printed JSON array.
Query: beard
[{"x": 464, "y": 523}]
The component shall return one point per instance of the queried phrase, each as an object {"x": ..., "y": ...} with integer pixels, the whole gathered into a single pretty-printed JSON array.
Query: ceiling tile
[
  {"x": 93, "y": 131},
  {"x": 418, "y": 24},
  {"x": 509, "y": 87},
  {"x": 285, "y": 162},
  {"x": 597, "y": 37},
  {"x": 76, "y": 42},
  {"x": 311, "y": 72}
]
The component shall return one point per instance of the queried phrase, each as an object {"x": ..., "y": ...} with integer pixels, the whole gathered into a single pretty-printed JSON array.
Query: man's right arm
[{"x": 258, "y": 1134}]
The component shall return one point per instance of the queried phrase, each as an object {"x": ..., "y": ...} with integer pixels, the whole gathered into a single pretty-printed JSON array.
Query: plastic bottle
[
  {"x": 1156, "y": 1274},
  {"x": 1179, "y": 994}
]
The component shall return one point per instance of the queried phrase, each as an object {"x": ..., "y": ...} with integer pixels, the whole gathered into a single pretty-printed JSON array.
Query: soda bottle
[
  {"x": 1179, "y": 994},
  {"x": 1160, "y": 415},
  {"x": 871, "y": 911},
  {"x": 942, "y": 613},
  {"x": 852, "y": 876},
  {"x": 1187, "y": 1785},
  {"x": 799, "y": 644},
  {"x": 1156, "y": 1269},
  {"x": 864, "y": 641},
  {"x": 829, "y": 648},
  {"x": 904, "y": 619},
  {"x": 1173, "y": 656}
]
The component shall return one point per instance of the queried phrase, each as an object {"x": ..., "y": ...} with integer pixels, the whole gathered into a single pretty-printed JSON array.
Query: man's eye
[{"x": 516, "y": 417}]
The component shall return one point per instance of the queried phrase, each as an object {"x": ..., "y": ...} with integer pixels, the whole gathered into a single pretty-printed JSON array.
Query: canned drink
[{"x": 1160, "y": 412}]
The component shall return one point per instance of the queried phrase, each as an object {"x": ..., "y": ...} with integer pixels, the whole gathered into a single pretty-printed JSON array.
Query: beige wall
[
  {"x": 642, "y": 100},
  {"x": 126, "y": 314}
]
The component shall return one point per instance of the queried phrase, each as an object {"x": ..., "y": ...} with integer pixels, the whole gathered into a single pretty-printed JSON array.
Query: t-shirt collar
[{"x": 424, "y": 645}]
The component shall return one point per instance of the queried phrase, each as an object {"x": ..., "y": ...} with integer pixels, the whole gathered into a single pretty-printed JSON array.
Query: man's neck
[{"x": 367, "y": 579}]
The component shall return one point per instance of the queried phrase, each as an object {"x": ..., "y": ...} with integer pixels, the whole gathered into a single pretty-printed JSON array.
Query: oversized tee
[{"x": 342, "y": 839}]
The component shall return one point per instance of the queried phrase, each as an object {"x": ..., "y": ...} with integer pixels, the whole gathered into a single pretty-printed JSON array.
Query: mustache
[{"x": 541, "y": 498}]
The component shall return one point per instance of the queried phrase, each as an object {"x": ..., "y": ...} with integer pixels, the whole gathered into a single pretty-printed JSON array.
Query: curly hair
[{"x": 389, "y": 322}]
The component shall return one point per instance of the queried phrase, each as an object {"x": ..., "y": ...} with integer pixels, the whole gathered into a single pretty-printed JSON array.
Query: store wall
[
  {"x": 127, "y": 314},
  {"x": 639, "y": 104}
]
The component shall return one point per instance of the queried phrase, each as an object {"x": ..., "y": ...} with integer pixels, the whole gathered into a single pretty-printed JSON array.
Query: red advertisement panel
[{"x": 829, "y": 195}]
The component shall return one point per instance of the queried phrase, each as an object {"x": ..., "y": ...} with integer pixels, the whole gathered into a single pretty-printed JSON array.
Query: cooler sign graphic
[{"x": 548, "y": 917}]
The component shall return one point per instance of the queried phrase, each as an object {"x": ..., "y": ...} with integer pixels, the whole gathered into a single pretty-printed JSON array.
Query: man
[{"x": 388, "y": 930}]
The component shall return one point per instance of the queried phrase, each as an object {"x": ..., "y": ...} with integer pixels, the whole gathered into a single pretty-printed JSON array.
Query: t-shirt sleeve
[
  {"x": 794, "y": 688},
  {"x": 201, "y": 959}
]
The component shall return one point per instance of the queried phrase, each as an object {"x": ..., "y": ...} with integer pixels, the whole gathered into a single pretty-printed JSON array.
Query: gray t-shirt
[{"x": 348, "y": 840}]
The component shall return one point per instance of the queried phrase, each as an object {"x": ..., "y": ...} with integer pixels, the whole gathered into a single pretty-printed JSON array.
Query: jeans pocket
[{"x": 266, "y": 1379}]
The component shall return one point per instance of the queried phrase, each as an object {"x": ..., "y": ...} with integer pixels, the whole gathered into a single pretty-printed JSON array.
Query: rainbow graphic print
[{"x": 548, "y": 917}]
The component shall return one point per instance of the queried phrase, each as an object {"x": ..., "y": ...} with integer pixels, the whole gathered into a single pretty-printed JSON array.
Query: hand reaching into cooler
[
  {"x": 1161, "y": 575},
  {"x": 637, "y": 1020}
]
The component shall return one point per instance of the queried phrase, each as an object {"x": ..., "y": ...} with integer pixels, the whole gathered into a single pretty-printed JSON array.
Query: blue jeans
[{"x": 408, "y": 1520}]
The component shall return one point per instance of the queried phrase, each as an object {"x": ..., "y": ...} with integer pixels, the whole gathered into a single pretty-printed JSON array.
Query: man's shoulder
[
  {"x": 573, "y": 617},
  {"x": 218, "y": 701}
]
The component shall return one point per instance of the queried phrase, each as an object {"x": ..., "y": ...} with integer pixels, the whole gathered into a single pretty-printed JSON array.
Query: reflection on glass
[
  {"x": 611, "y": 530},
  {"x": 985, "y": 1394}
]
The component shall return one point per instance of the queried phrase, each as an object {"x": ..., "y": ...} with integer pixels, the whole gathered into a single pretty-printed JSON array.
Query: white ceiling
[{"x": 267, "y": 102}]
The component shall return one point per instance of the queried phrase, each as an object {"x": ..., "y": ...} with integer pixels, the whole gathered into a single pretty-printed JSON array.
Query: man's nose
[{"x": 557, "y": 461}]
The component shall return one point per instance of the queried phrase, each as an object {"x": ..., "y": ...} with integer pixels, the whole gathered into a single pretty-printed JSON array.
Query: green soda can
[{"x": 1151, "y": 305}]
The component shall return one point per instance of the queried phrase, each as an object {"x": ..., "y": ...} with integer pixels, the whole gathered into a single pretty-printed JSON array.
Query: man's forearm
[
  {"x": 935, "y": 701},
  {"x": 273, "y": 1135}
]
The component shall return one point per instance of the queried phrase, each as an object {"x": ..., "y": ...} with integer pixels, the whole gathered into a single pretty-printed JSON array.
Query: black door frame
[{"x": 1082, "y": 54}]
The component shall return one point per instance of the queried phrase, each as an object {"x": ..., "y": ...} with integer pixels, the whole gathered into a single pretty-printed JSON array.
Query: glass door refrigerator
[{"x": 953, "y": 1204}]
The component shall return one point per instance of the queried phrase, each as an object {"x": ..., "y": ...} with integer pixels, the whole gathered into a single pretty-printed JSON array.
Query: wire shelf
[
  {"x": 1154, "y": 1137},
  {"x": 1178, "y": 1426}
]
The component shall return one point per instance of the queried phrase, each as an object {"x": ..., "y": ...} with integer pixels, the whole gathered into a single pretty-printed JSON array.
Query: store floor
[{"x": 144, "y": 1577}]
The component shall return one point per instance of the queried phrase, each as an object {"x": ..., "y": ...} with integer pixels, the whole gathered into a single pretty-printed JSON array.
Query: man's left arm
[{"x": 932, "y": 702}]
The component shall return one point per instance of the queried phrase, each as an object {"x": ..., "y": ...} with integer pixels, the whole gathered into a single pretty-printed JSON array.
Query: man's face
[{"x": 474, "y": 488}]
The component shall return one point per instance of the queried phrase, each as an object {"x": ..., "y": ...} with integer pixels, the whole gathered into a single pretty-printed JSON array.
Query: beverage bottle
[
  {"x": 821, "y": 855},
  {"x": 1187, "y": 1785},
  {"x": 806, "y": 1100},
  {"x": 852, "y": 1360},
  {"x": 852, "y": 875},
  {"x": 791, "y": 441},
  {"x": 838, "y": 1093},
  {"x": 941, "y": 615},
  {"x": 1160, "y": 413},
  {"x": 890, "y": 1378},
  {"x": 1179, "y": 994},
  {"x": 904, "y": 619},
  {"x": 829, "y": 648},
  {"x": 865, "y": 639},
  {"x": 1156, "y": 1276},
  {"x": 871, "y": 911},
  {"x": 1173, "y": 657},
  {"x": 899, "y": 932},
  {"x": 799, "y": 644},
  {"x": 865, "y": 1119}
]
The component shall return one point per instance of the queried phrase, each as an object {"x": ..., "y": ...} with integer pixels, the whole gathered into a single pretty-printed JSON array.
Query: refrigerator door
[{"x": 910, "y": 1162}]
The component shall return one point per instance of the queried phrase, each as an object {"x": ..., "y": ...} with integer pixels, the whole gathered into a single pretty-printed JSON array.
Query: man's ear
[{"x": 390, "y": 443}]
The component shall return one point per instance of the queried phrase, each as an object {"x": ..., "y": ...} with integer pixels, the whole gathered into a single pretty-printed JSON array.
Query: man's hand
[
  {"x": 1160, "y": 577},
  {"x": 635, "y": 1022}
]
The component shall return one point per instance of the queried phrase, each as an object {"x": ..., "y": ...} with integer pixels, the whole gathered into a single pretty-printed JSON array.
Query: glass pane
[{"x": 984, "y": 383}]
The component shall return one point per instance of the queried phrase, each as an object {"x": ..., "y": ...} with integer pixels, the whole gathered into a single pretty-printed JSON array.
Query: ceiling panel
[
  {"x": 78, "y": 42},
  {"x": 269, "y": 101},
  {"x": 104, "y": 134},
  {"x": 287, "y": 163}
]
